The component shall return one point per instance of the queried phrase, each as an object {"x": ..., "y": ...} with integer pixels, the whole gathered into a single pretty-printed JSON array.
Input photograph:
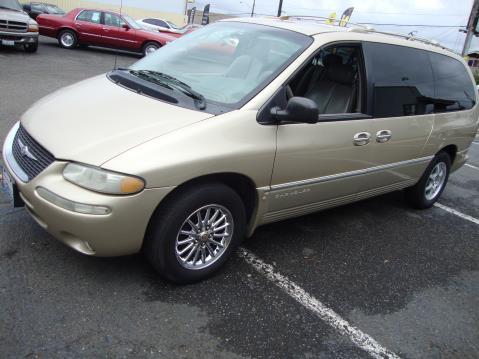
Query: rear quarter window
[
  {"x": 405, "y": 81},
  {"x": 453, "y": 84}
]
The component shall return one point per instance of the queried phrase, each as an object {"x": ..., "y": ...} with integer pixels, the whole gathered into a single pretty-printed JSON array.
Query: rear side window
[
  {"x": 90, "y": 16},
  {"x": 454, "y": 88},
  {"x": 401, "y": 78}
]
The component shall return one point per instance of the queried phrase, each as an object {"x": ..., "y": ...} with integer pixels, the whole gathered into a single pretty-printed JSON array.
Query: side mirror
[
  {"x": 298, "y": 110},
  {"x": 27, "y": 7},
  {"x": 126, "y": 26}
]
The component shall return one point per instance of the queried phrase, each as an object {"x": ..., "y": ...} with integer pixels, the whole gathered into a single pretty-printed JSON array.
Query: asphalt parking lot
[{"x": 370, "y": 279}]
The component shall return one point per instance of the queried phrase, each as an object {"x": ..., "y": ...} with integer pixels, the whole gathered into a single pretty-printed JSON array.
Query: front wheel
[
  {"x": 432, "y": 183},
  {"x": 193, "y": 235}
]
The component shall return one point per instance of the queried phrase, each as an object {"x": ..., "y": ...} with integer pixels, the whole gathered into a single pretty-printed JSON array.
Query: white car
[{"x": 160, "y": 25}]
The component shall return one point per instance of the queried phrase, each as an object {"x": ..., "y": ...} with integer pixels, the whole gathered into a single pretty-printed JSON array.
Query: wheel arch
[
  {"x": 240, "y": 183},
  {"x": 66, "y": 28},
  {"x": 451, "y": 150}
]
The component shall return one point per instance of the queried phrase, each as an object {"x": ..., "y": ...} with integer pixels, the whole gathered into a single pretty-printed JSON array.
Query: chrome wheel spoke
[
  {"x": 204, "y": 236},
  {"x": 217, "y": 212},
  {"x": 197, "y": 254},
  {"x": 220, "y": 235},
  {"x": 192, "y": 251},
  {"x": 189, "y": 233},
  {"x": 223, "y": 217},
  {"x": 216, "y": 243},
  {"x": 186, "y": 241},
  {"x": 212, "y": 252},
  {"x": 193, "y": 226},
  {"x": 183, "y": 251},
  {"x": 220, "y": 228}
]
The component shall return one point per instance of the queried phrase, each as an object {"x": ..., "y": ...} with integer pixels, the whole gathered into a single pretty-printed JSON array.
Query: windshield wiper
[{"x": 171, "y": 83}]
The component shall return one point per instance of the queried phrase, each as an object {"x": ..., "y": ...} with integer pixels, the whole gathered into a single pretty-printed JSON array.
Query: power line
[
  {"x": 378, "y": 12},
  {"x": 412, "y": 25}
]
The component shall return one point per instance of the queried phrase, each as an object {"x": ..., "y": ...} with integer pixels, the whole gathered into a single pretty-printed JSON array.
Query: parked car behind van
[
  {"x": 101, "y": 28},
  {"x": 33, "y": 9},
  {"x": 188, "y": 151},
  {"x": 16, "y": 28}
]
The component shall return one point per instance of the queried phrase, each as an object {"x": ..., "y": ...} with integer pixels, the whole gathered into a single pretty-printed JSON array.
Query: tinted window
[
  {"x": 403, "y": 83},
  {"x": 113, "y": 20},
  {"x": 161, "y": 23},
  {"x": 454, "y": 88},
  {"x": 90, "y": 16},
  {"x": 37, "y": 7},
  {"x": 149, "y": 21}
]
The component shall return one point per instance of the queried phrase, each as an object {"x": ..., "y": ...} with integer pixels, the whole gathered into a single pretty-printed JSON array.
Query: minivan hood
[{"x": 96, "y": 120}]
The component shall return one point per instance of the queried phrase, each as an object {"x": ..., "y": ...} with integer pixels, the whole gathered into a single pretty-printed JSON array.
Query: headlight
[
  {"x": 100, "y": 180},
  {"x": 32, "y": 27}
]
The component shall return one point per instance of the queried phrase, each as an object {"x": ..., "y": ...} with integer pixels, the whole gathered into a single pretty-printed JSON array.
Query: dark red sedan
[{"x": 101, "y": 28}]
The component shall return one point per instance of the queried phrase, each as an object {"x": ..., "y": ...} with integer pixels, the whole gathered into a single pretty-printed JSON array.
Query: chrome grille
[
  {"x": 42, "y": 158},
  {"x": 13, "y": 26}
]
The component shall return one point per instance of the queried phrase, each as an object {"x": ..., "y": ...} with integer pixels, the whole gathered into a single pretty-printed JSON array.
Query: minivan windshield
[
  {"x": 226, "y": 62},
  {"x": 11, "y": 5}
]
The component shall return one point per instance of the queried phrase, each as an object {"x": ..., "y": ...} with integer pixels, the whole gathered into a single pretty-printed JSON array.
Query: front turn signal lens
[{"x": 100, "y": 180}]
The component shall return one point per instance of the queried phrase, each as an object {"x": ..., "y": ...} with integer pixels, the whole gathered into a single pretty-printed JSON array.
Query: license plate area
[
  {"x": 9, "y": 187},
  {"x": 8, "y": 43}
]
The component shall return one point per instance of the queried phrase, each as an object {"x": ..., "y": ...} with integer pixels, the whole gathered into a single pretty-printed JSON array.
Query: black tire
[
  {"x": 416, "y": 195},
  {"x": 67, "y": 39},
  {"x": 165, "y": 224},
  {"x": 31, "y": 48},
  {"x": 149, "y": 45}
]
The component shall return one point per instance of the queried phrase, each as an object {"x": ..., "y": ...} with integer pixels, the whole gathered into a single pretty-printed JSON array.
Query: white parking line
[
  {"x": 362, "y": 340},
  {"x": 468, "y": 165},
  {"x": 457, "y": 213}
]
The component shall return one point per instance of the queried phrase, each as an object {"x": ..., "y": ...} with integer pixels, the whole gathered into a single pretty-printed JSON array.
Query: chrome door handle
[
  {"x": 383, "y": 136},
  {"x": 362, "y": 138}
]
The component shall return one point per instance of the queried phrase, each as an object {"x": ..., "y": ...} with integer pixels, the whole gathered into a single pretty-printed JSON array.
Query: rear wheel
[
  {"x": 432, "y": 183},
  {"x": 150, "y": 47},
  {"x": 33, "y": 47},
  {"x": 67, "y": 39},
  {"x": 193, "y": 235}
]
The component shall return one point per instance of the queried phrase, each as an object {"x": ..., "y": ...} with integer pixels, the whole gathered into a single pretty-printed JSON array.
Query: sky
[{"x": 414, "y": 12}]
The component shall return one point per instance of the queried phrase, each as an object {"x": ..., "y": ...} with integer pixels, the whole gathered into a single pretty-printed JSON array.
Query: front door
[
  {"x": 115, "y": 35},
  {"x": 321, "y": 165}
]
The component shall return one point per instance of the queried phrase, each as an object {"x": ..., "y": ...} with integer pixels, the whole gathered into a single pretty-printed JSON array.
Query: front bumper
[
  {"x": 19, "y": 38},
  {"x": 117, "y": 233}
]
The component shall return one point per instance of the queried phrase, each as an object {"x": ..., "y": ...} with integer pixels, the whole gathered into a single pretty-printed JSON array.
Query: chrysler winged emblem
[{"x": 25, "y": 151}]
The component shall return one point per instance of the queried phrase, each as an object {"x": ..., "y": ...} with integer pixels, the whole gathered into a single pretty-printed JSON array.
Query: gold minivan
[{"x": 241, "y": 123}]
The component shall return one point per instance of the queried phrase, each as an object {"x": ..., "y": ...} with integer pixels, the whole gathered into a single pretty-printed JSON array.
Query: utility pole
[
  {"x": 471, "y": 27},
  {"x": 252, "y": 10},
  {"x": 280, "y": 7}
]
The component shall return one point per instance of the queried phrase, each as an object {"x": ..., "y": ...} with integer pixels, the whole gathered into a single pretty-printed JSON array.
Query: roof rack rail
[
  {"x": 322, "y": 19},
  {"x": 358, "y": 27},
  {"x": 410, "y": 38}
]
